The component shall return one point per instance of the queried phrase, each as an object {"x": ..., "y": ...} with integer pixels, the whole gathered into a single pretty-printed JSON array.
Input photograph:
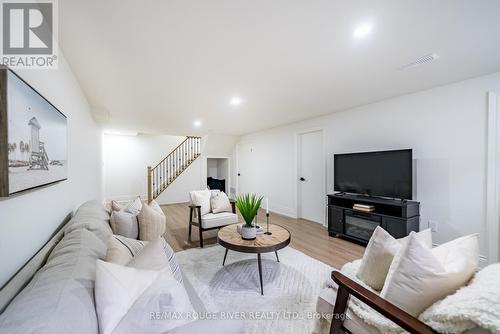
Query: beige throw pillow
[
  {"x": 124, "y": 223},
  {"x": 151, "y": 257},
  {"x": 135, "y": 246},
  {"x": 117, "y": 252},
  {"x": 115, "y": 206},
  {"x": 152, "y": 224},
  {"x": 420, "y": 276},
  {"x": 379, "y": 254},
  {"x": 155, "y": 206},
  {"x": 220, "y": 203}
]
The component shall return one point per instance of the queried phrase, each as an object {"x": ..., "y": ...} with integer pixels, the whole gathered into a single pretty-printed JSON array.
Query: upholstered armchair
[{"x": 203, "y": 218}]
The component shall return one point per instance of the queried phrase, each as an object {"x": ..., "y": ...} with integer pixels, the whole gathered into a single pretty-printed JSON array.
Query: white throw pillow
[
  {"x": 134, "y": 206},
  {"x": 152, "y": 224},
  {"x": 126, "y": 296},
  {"x": 419, "y": 276},
  {"x": 124, "y": 223},
  {"x": 379, "y": 254},
  {"x": 149, "y": 313},
  {"x": 116, "y": 289},
  {"x": 220, "y": 203},
  {"x": 202, "y": 198}
]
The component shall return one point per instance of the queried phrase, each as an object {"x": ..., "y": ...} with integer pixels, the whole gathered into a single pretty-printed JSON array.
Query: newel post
[{"x": 150, "y": 188}]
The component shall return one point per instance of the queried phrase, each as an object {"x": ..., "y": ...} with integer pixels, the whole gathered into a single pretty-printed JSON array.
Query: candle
[{"x": 267, "y": 205}]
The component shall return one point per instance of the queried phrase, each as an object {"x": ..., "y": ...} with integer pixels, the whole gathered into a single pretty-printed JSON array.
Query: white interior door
[
  {"x": 311, "y": 193},
  {"x": 245, "y": 168}
]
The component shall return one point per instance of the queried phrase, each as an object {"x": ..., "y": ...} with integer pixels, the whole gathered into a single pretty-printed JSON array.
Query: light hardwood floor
[{"x": 308, "y": 237}]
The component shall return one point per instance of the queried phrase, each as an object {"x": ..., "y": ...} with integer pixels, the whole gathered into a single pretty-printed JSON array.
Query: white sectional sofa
[{"x": 60, "y": 296}]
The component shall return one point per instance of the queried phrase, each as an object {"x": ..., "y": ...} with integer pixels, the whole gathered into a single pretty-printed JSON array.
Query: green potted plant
[{"x": 248, "y": 205}]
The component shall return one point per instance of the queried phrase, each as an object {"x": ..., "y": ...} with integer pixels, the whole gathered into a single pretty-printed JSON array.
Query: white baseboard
[
  {"x": 283, "y": 210},
  {"x": 173, "y": 202}
]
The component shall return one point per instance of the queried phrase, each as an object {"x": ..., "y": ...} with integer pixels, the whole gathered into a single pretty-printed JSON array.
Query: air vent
[{"x": 420, "y": 61}]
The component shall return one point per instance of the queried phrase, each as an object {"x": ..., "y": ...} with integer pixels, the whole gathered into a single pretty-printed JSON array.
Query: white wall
[
  {"x": 28, "y": 219},
  {"x": 127, "y": 157},
  {"x": 445, "y": 127}
]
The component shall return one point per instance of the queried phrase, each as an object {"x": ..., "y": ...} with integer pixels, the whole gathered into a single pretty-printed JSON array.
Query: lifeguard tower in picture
[{"x": 38, "y": 157}]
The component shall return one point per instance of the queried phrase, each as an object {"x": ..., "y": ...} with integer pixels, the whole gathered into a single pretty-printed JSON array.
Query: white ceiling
[{"x": 157, "y": 66}]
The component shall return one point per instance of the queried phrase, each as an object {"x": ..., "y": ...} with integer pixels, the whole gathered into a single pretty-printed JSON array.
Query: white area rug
[{"x": 291, "y": 287}]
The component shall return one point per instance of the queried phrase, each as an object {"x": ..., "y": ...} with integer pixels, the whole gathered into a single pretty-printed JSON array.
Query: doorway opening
[{"x": 218, "y": 174}]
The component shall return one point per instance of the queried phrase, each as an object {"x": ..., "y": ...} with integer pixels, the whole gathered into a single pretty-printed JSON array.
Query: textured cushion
[
  {"x": 218, "y": 219},
  {"x": 151, "y": 257},
  {"x": 59, "y": 298},
  {"x": 134, "y": 246},
  {"x": 152, "y": 224},
  {"x": 379, "y": 254},
  {"x": 201, "y": 198},
  {"x": 220, "y": 203},
  {"x": 115, "y": 206},
  {"x": 473, "y": 305},
  {"x": 117, "y": 252},
  {"x": 125, "y": 223},
  {"x": 419, "y": 276},
  {"x": 134, "y": 206}
]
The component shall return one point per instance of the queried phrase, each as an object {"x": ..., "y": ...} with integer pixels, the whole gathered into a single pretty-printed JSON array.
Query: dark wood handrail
[{"x": 349, "y": 287}]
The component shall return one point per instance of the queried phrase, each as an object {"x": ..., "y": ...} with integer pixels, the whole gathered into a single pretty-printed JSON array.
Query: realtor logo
[{"x": 29, "y": 34}]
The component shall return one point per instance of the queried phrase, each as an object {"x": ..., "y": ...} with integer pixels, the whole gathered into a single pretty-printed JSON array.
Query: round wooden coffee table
[{"x": 229, "y": 238}]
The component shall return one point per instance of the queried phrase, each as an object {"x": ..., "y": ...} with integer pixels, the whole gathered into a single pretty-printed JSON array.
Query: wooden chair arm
[
  {"x": 233, "y": 205},
  {"x": 349, "y": 287}
]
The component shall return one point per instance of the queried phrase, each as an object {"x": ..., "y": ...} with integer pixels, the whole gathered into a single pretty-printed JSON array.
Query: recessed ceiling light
[
  {"x": 235, "y": 101},
  {"x": 197, "y": 124},
  {"x": 363, "y": 30}
]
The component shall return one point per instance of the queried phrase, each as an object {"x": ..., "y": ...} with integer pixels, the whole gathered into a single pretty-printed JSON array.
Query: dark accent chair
[
  {"x": 348, "y": 287},
  {"x": 196, "y": 219}
]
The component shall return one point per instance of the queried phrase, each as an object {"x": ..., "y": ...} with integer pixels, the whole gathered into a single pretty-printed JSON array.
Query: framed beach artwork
[{"x": 33, "y": 137}]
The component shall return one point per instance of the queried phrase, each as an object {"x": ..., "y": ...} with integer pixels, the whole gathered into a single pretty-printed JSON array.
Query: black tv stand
[{"x": 397, "y": 216}]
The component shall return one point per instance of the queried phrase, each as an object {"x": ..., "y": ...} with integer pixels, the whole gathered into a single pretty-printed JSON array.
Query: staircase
[{"x": 163, "y": 174}]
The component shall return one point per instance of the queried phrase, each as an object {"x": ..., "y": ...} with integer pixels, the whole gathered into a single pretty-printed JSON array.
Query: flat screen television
[{"x": 383, "y": 173}]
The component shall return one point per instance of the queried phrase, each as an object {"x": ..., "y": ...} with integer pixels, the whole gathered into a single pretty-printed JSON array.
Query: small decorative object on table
[
  {"x": 248, "y": 205},
  {"x": 267, "y": 217}
]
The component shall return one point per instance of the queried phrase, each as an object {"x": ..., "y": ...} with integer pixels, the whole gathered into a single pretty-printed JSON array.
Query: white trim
[
  {"x": 297, "y": 166},
  {"x": 493, "y": 178}
]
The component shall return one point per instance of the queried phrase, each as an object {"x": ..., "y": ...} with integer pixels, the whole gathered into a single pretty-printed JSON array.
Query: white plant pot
[{"x": 248, "y": 232}]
